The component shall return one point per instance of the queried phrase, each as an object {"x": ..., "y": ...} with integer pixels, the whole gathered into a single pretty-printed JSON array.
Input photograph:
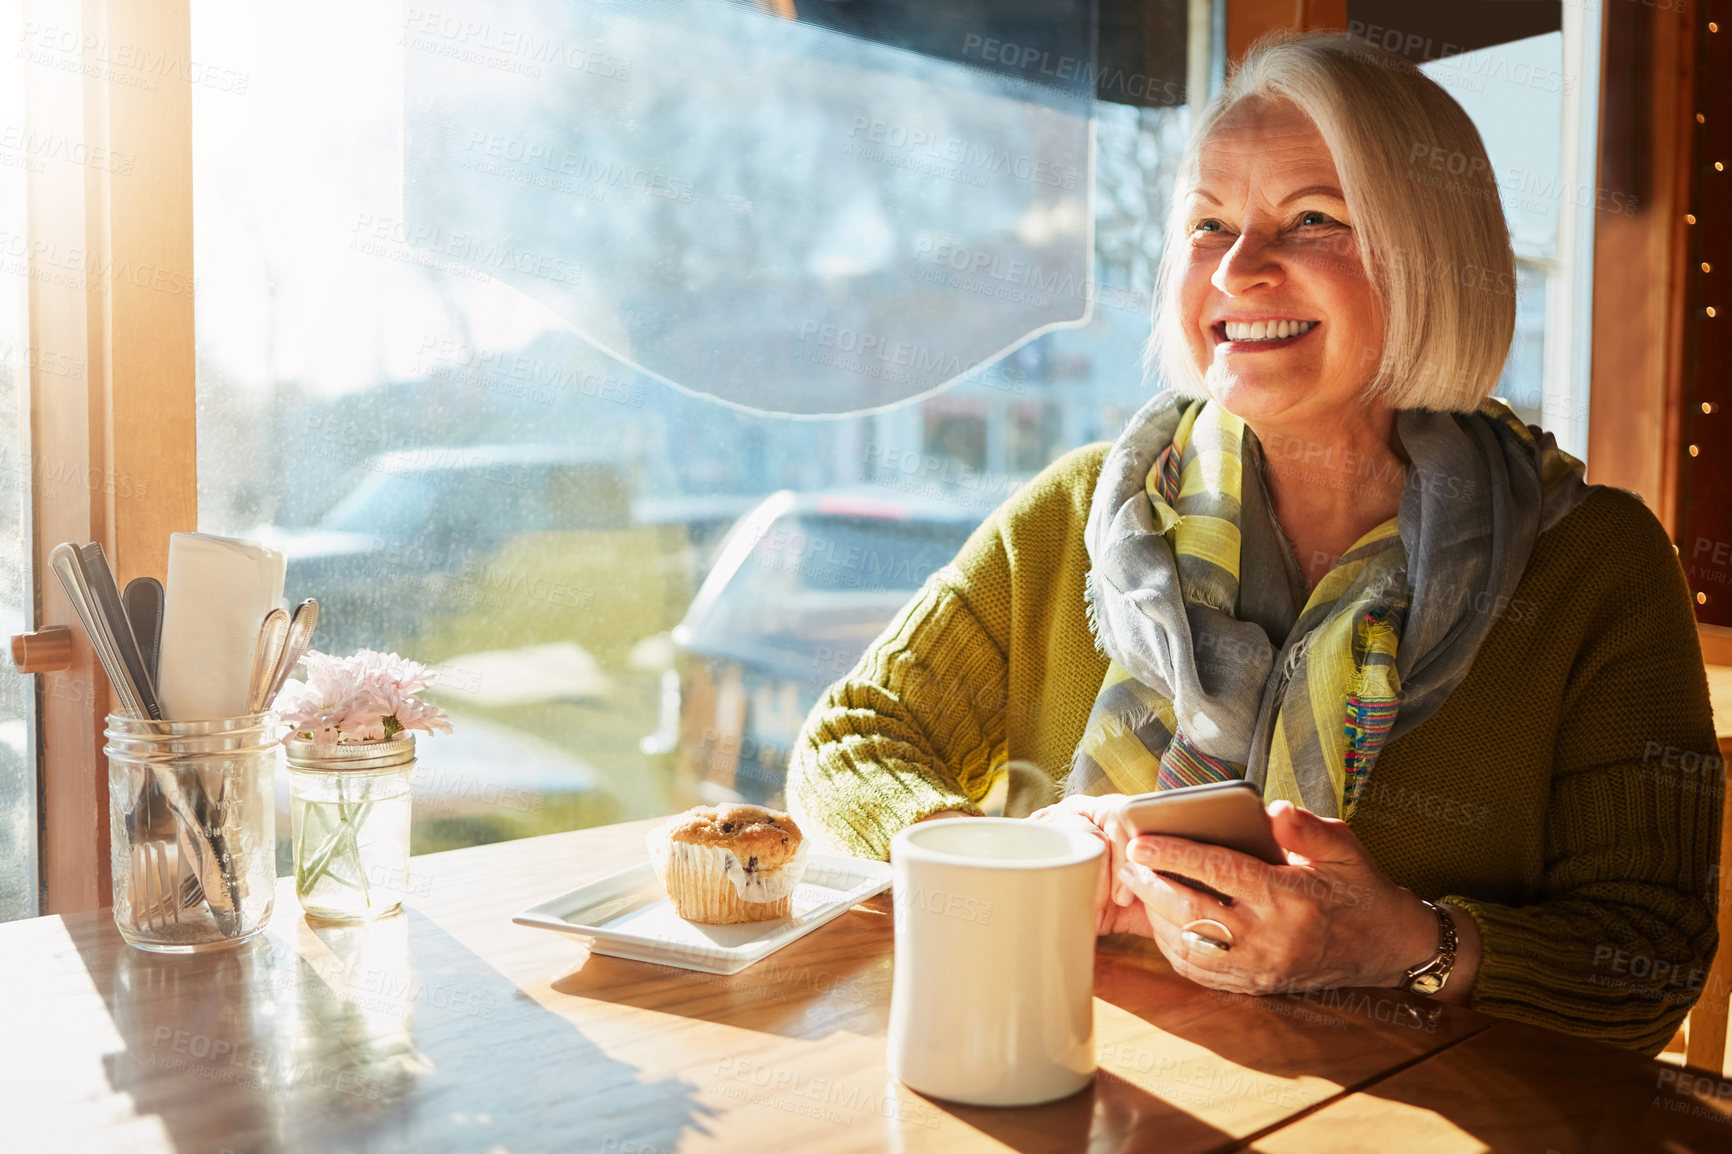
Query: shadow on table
[
  {"x": 386, "y": 1037},
  {"x": 1330, "y": 1033},
  {"x": 1111, "y": 1116},
  {"x": 1517, "y": 1085},
  {"x": 836, "y": 977}
]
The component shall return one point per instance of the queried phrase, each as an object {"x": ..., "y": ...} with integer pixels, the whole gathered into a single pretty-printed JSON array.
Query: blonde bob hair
[{"x": 1425, "y": 212}]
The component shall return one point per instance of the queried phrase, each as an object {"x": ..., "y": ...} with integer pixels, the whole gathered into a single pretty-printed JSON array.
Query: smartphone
[{"x": 1224, "y": 813}]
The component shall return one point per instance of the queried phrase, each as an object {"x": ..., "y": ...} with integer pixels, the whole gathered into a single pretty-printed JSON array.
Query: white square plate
[{"x": 628, "y": 915}]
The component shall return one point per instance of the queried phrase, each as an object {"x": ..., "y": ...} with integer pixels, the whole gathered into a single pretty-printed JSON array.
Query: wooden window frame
[{"x": 111, "y": 279}]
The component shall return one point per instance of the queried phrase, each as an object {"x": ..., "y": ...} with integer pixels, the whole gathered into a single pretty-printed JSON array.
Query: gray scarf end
[{"x": 1091, "y": 611}]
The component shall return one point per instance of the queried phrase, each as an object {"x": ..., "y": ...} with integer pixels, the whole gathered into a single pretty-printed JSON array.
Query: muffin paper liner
[{"x": 692, "y": 874}]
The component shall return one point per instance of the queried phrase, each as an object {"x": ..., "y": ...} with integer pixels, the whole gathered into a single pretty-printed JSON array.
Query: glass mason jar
[
  {"x": 349, "y": 809},
  {"x": 192, "y": 830}
]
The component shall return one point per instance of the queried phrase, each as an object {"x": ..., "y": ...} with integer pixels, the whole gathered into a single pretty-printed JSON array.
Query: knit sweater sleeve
[
  {"x": 1619, "y": 944},
  {"x": 916, "y": 726}
]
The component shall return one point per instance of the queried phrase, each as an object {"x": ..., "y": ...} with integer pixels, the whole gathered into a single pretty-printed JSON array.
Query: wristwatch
[{"x": 1429, "y": 977}]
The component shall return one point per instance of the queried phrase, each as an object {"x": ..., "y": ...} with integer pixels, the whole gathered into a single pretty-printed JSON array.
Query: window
[
  {"x": 570, "y": 310},
  {"x": 1535, "y": 101},
  {"x": 353, "y": 377},
  {"x": 485, "y": 367}
]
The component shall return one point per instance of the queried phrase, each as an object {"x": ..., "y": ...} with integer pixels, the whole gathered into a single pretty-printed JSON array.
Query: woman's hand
[
  {"x": 1117, "y": 910},
  {"x": 1328, "y": 918}
]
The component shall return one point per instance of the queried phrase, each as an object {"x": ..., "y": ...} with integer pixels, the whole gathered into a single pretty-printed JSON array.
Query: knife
[
  {"x": 69, "y": 567},
  {"x": 106, "y": 594}
]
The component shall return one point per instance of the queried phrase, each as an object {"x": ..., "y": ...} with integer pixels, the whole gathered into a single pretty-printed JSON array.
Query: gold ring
[{"x": 1219, "y": 944}]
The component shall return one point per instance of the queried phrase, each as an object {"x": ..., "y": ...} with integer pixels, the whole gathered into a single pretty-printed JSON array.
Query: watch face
[{"x": 1427, "y": 984}]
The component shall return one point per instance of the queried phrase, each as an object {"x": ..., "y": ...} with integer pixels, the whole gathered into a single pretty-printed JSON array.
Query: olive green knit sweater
[{"x": 1566, "y": 795}]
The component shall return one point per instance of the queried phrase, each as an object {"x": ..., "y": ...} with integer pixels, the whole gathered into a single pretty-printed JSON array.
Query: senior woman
[{"x": 1324, "y": 561}]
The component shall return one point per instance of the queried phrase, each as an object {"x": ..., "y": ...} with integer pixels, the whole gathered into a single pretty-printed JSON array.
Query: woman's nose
[{"x": 1248, "y": 264}]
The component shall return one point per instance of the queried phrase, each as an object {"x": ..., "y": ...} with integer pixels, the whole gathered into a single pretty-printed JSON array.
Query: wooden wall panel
[
  {"x": 1645, "y": 118},
  {"x": 1705, "y": 464}
]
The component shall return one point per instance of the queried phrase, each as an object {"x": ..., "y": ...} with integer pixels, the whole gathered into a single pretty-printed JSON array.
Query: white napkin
[{"x": 218, "y": 592}]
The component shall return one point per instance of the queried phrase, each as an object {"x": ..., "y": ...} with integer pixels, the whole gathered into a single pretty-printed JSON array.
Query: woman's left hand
[{"x": 1329, "y": 918}]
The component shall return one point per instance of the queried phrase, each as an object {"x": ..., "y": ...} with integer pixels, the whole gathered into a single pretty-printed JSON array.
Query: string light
[
  {"x": 1718, "y": 167},
  {"x": 1713, "y": 27},
  {"x": 1690, "y": 218}
]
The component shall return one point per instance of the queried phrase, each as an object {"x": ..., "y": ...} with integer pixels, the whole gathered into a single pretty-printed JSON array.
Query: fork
[{"x": 154, "y": 903}]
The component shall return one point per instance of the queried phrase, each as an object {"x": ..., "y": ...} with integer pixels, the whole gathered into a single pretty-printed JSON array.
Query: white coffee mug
[{"x": 992, "y": 1000}]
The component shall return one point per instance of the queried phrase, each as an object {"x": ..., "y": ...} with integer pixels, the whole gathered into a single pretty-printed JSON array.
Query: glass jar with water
[{"x": 350, "y": 811}]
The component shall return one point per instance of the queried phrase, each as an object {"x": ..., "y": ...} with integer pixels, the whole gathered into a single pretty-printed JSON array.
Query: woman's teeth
[{"x": 1266, "y": 330}]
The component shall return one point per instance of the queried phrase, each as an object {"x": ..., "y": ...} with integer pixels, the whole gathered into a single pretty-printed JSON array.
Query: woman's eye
[
  {"x": 1207, "y": 226},
  {"x": 1315, "y": 218}
]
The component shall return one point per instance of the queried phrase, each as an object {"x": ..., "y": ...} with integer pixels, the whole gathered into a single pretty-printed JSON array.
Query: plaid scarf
[{"x": 1194, "y": 694}]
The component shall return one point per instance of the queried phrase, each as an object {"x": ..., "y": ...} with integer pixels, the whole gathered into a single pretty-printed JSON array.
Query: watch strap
[{"x": 1430, "y": 976}]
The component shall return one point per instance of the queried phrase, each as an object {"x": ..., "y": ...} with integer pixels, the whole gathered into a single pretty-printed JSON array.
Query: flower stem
[{"x": 350, "y": 817}]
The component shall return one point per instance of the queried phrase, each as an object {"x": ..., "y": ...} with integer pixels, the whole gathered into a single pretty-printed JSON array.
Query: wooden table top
[
  {"x": 1720, "y": 699},
  {"x": 450, "y": 1028}
]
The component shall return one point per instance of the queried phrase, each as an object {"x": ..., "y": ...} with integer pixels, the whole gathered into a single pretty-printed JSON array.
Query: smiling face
[{"x": 1275, "y": 308}]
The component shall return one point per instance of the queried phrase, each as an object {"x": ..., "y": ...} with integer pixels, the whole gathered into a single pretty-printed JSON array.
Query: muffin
[{"x": 726, "y": 864}]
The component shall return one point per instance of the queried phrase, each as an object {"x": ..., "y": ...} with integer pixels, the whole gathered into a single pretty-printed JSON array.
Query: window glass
[
  {"x": 19, "y": 153},
  {"x": 761, "y": 209},
  {"x": 634, "y": 587},
  {"x": 1516, "y": 93}
]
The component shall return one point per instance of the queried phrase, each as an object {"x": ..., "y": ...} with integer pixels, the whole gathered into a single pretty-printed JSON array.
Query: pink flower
[{"x": 367, "y": 697}]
